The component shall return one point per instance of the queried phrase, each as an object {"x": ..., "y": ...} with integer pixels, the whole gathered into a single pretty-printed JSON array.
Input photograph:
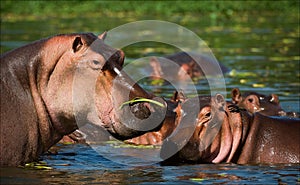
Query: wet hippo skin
[
  {"x": 41, "y": 95},
  {"x": 224, "y": 133}
]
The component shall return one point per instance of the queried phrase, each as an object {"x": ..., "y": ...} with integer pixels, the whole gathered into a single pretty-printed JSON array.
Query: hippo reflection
[
  {"x": 37, "y": 94},
  {"x": 224, "y": 133}
]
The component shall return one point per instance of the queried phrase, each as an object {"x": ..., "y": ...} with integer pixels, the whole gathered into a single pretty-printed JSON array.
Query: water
[
  {"x": 261, "y": 50},
  {"x": 79, "y": 164}
]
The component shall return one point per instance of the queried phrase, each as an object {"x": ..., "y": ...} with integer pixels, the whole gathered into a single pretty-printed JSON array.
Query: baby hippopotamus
[
  {"x": 264, "y": 104},
  {"x": 221, "y": 132}
]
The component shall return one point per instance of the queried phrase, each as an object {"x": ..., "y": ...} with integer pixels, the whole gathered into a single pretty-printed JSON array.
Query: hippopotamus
[
  {"x": 256, "y": 102},
  {"x": 221, "y": 132},
  {"x": 51, "y": 85},
  {"x": 187, "y": 66},
  {"x": 168, "y": 126}
]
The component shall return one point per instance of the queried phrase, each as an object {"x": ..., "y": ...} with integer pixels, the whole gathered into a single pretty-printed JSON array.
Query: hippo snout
[{"x": 138, "y": 118}]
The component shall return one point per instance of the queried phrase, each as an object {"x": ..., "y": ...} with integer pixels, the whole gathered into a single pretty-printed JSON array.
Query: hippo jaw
[
  {"x": 132, "y": 120},
  {"x": 113, "y": 88}
]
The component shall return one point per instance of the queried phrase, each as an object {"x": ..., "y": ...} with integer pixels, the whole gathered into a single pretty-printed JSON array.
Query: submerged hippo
[
  {"x": 187, "y": 66},
  {"x": 51, "y": 84},
  {"x": 255, "y": 102},
  {"x": 221, "y": 132}
]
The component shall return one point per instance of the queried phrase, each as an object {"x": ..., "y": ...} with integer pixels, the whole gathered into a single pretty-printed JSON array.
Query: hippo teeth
[{"x": 117, "y": 71}]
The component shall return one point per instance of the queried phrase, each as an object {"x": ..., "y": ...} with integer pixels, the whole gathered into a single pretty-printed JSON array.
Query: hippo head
[
  {"x": 88, "y": 81},
  {"x": 204, "y": 125},
  {"x": 255, "y": 102}
]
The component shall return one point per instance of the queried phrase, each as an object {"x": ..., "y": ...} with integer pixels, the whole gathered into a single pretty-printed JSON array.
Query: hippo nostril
[{"x": 140, "y": 110}]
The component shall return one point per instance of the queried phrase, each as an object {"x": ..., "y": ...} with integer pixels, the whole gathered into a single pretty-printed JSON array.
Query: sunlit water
[{"x": 263, "y": 55}]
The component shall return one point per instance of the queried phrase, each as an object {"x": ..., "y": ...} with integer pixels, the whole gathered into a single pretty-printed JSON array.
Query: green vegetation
[
  {"x": 142, "y": 100},
  {"x": 41, "y": 165},
  {"x": 38, "y": 9}
]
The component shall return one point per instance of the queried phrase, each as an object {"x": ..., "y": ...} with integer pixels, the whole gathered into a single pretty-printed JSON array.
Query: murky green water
[{"x": 261, "y": 50}]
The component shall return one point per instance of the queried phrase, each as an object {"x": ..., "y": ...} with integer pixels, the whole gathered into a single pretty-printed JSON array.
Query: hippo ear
[
  {"x": 236, "y": 95},
  {"x": 220, "y": 99},
  {"x": 274, "y": 98},
  {"x": 102, "y": 36},
  {"x": 77, "y": 44}
]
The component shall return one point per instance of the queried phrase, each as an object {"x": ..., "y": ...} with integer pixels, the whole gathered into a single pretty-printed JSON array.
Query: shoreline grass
[{"x": 11, "y": 10}]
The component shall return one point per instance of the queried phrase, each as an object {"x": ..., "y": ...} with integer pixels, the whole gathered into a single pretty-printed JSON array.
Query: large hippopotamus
[
  {"x": 188, "y": 66},
  {"x": 221, "y": 132},
  {"x": 50, "y": 85}
]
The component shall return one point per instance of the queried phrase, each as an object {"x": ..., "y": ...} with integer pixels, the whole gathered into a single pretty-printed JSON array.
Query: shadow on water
[{"x": 263, "y": 55}]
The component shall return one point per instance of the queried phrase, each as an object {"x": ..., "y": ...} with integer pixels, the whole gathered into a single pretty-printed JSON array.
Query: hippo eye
[
  {"x": 95, "y": 64},
  {"x": 208, "y": 114},
  {"x": 250, "y": 100}
]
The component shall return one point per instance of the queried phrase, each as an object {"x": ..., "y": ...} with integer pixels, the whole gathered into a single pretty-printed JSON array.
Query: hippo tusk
[{"x": 117, "y": 71}]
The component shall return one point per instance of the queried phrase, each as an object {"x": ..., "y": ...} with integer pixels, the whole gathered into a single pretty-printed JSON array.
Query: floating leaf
[
  {"x": 222, "y": 174},
  {"x": 38, "y": 165},
  {"x": 197, "y": 179},
  {"x": 258, "y": 85},
  {"x": 288, "y": 41},
  {"x": 238, "y": 74},
  {"x": 243, "y": 81},
  {"x": 256, "y": 50}
]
